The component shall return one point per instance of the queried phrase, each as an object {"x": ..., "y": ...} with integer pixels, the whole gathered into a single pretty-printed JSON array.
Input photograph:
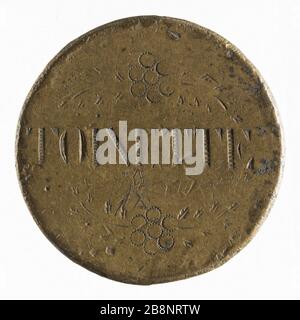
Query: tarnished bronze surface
[{"x": 149, "y": 223}]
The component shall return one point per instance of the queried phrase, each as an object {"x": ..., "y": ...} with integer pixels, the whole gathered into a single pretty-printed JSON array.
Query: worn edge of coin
[{"x": 270, "y": 96}]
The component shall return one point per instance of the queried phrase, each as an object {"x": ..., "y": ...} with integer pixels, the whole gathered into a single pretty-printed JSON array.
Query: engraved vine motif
[
  {"x": 152, "y": 231},
  {"x": 149, "y": 78}
]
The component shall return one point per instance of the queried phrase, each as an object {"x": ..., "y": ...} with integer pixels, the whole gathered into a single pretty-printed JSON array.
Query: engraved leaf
[
  {"x": 183, "y": 213},
  {"x": 188, "y": 243}
]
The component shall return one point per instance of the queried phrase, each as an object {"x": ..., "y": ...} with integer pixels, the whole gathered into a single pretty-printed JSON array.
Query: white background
[{"x": 32, "y": 32}]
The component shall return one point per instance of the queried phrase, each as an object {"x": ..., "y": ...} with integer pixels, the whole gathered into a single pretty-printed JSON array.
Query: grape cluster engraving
[
  {"x": 152, "y": 231},
  {"x": 149, "y": 78}
]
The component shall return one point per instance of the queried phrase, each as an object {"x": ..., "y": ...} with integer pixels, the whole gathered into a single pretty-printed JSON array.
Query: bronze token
[{"x": 149, "y": 150}]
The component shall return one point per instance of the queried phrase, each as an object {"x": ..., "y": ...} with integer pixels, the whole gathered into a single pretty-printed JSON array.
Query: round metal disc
[{"x": 149, "y": 223}]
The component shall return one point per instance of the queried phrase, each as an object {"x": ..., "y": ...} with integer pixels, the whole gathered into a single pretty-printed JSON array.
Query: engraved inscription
[
  {"x": 235, "y": 149},
  {"x": 230, "y": 149},
  {"x": 81, "y": 145},
  {"x": 41, "y": 145},
  {"x": 94, "y": 146},
  {"x": 62, "y": 146}
]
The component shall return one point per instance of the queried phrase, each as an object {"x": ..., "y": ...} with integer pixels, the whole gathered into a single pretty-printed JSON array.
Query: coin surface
[{"x": 97, "y": 184}]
